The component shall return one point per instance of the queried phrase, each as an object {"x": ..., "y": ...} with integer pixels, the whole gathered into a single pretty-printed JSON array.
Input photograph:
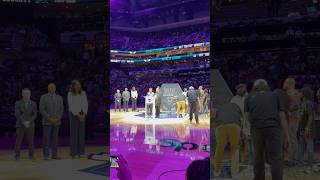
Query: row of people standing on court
[
  {"x": 124, "y": 98},
  {"x": 51, "y": 108}
]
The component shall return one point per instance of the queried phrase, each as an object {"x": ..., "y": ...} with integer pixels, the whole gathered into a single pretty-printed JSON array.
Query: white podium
[{"x": 150, "y": 100}]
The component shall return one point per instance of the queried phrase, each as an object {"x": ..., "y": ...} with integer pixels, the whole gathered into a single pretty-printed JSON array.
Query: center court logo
[{"x": 181, "y": 145}]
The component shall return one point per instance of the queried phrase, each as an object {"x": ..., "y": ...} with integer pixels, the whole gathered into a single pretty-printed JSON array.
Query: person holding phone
[
  {"x": 51, "y": 109},
  {"x": 26, "y": 113},
  {"x": 78, "y": 109}
]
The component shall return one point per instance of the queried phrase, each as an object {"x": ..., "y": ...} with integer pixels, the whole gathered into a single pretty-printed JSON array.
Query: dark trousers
[
  {"x": 50, "y": 140},
  {"x": 77, "y": 136},
  {"x": 267, "y": 142},
  {"x": 157, "y": 111},
  {"x": 20, "y": 131},
  {"x": 117, "y": 106},
  {"x": 126, "y": 106},
  {"x": 193, "y": 109},
  {"x": 134, "y": 104},
  {"x": 149, "y": 109}
]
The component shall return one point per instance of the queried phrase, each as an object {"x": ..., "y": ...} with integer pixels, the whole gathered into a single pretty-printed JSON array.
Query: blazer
[
  {"x": 25, "y": 112},
  {"x": 51, "y": 106}
]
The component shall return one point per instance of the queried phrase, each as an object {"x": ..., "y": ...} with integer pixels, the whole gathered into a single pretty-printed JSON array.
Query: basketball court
[
  {"x": 160, "y": 148},
  {"x": 66, "y": 168}
]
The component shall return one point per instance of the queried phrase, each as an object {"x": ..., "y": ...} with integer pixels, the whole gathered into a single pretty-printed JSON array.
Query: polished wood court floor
[
  {"x": 140, "y": 142},
  {"x": 40, "y": 169}
]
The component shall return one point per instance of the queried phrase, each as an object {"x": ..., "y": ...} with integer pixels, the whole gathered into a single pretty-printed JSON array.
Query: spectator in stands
[
  {"x": 26, "y": 113},
  {"x": 51, "y": 109},
  {"x": 78, "y": 109}
]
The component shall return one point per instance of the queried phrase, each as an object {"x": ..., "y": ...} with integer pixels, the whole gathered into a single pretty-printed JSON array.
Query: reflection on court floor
[{"x": 154, "y": 147}]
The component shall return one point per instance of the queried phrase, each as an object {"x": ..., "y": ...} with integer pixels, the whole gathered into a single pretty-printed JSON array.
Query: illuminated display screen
[{"x": 162, "y": 54}]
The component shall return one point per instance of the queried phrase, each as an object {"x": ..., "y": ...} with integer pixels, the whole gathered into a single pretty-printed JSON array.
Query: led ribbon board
[{"x": 162, "y": 54}]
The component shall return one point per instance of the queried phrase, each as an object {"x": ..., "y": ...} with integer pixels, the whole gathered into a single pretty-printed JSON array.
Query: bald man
[
  {"x": 26, "y": 113},
  {"x": 51, "y": 109}
]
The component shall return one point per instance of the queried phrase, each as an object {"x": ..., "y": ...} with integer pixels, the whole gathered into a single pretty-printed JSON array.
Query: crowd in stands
[
  {"x": 23, "y": 36},
  {"x": 172, "y": 37},
  {"x": 274, "y": 66},
  {"x": 268, "y": 33},
  {"x": 230, "y": 10},
  {"x": 36, "y": 68}
]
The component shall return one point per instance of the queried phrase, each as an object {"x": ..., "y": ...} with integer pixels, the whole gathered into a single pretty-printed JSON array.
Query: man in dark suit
[
  {"x": 26, "y": 113},
  {"x": 193, "y": 97},
  {"x": 158, "y": 102}
]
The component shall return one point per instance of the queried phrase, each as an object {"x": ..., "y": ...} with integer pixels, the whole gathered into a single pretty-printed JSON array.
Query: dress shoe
[
  {"x": 56, "y": 158},
  {"x": 17, "y": 158}
]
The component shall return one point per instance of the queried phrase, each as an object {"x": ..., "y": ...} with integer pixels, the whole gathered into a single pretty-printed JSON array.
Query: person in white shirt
[
  {"x": 149, "y": 106},
  {"x": 185, "y": 91},
  {"x": 134, "y": 98},
  {"x": 78, "y": 109}
]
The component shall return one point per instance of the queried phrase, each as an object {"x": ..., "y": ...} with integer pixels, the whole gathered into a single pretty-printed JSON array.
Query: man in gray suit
[
  {"x": 51, "y": 109},
  {"x": 26, "y": 113},
  {"x": 126, "y": 98}
]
